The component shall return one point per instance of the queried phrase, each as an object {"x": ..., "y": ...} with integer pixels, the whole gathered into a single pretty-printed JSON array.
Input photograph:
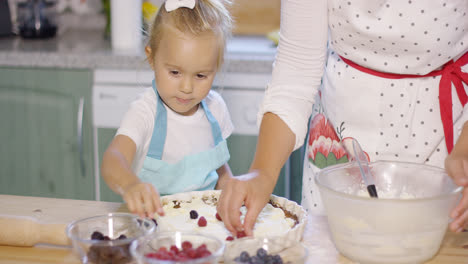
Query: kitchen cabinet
[{"x": 46, "y": 133}]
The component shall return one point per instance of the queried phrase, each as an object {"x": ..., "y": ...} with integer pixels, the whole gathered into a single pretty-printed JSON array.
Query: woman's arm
[{"x": 284, "y": 114}]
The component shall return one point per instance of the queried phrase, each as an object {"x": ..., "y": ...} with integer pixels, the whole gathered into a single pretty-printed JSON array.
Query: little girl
[{"x": 172, "y": 139}]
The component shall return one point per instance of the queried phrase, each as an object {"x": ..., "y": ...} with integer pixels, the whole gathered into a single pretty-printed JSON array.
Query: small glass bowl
[
  {"x": 152, "y": 243},
  {"x": 113, "y": 247},
  {"x": 243, "y": 250}
]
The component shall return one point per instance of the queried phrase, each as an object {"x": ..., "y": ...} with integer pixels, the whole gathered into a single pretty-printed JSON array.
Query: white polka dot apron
[{"x": 393, "y": 119}]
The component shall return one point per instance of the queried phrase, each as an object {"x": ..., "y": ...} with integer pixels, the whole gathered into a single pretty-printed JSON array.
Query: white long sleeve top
[{"x": 406, "y": 37}]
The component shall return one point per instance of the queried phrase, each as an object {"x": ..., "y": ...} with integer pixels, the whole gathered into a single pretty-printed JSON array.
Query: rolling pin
[{"x": 27, "y": 231}]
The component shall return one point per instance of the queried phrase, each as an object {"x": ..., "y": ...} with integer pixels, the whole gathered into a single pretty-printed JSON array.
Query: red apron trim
[{"x": 450, "y": 73}]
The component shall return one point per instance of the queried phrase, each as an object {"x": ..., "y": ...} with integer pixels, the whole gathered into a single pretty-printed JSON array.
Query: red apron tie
[{"x": 450, "y": 73}]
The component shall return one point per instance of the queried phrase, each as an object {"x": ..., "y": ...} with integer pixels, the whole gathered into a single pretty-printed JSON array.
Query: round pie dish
[{"x": 196, "y": 212}]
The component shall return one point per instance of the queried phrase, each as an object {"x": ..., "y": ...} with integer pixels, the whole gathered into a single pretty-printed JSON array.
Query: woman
[{"x": 391, "y": 71}]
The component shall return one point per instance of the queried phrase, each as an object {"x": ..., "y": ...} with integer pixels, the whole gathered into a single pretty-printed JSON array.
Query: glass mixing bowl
[{"x": 406, "y": 224}]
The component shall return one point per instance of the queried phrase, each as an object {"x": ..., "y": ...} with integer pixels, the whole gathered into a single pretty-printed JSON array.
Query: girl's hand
[
  {"x": 456, "y": 165},
  {"x": 143, "y": 199},
  {"x": 252, "y": 190}
]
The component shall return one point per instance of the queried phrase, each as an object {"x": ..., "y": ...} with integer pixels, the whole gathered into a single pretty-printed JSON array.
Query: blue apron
[{"x": 194, "y": 172}]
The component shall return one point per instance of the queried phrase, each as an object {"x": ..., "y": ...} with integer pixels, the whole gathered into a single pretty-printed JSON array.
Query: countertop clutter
[
  {"x": 86, "y": 48},
  {"x": 59, "y": 212}
]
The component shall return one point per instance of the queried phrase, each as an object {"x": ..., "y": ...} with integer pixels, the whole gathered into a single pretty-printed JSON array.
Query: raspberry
[
  {"x": 191, "y": 253},
  {"x": 174, "y": 249},
  {"x": 181, "y": 258},
  {"x": 186, "y": 245},
  {"x": 162, "y": 249},
  {"x": 202, "y": 247},
  {"x": 151, "y": 255},
  {"x": 205, "y": 254},
  {"x": 193, "y": 214},
  {"x": 241, "y": 234},
  {"x": 218, "y": 217},
  {"x": 229, "y": 238},
  {"x": 202, "y": 221}
]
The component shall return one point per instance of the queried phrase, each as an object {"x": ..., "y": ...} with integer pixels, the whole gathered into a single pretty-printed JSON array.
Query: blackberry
[
  {"x": 193, "y": 214},
  {"x": 122, "y": 236},
  {"x": 97, "y": 236}
]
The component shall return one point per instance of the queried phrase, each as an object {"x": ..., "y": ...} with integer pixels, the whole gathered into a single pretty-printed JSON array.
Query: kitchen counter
[
  {"x": 61, "y": 211},
  {"x": 87, "y": 49}
]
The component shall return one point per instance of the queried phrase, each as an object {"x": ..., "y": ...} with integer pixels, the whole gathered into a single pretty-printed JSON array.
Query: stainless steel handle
[{"x": 80, "y": 135}]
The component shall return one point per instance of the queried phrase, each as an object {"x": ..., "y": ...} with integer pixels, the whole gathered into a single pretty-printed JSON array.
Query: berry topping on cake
[
  {"x": 218, "y": 217},
  {"x": 202, "y": 221},
  {"x": 241, "y": 234},
  {"x": 229, "y": 238},
  {"x": 193, "y": 214}
]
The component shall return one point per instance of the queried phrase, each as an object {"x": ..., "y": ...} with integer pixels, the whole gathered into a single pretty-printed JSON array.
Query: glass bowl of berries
[
  {"x": 265, "y": 250},
  {"x": 177, "y": 247},
  {"x": 107, "y": 238}
]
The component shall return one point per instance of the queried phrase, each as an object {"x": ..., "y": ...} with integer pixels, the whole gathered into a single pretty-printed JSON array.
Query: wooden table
[{"x": 61, "y": 211}]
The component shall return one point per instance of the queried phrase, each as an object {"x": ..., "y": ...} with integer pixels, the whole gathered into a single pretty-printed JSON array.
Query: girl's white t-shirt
[{"x": 185, "y": 134}]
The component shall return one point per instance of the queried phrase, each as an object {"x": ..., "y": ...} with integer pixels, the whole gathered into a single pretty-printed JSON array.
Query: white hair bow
[{"x": 174, "y": 4}]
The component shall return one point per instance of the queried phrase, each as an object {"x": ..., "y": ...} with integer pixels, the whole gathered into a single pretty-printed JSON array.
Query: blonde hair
[{"x": 206, "y": 16}]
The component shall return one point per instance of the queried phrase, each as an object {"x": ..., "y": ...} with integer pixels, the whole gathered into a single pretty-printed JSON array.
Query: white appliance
[{"x": 114, "y": 90}]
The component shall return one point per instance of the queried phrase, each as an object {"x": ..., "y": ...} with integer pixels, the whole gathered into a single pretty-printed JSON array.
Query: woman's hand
[
  {"x": 275, "y": 144},
  {"x": 456, "y": 165},
  {"x": 252, "y": 190},
  {"x": 143, "y": 199}
]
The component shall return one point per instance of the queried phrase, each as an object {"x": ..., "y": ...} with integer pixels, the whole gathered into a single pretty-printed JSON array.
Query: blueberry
[
  {"x": 97, "y": 235},
  {"x": 261, "y": 253},
  {"x": 122, "y": 236},
  {"x": 269, "y": 259},
  {"x": 277, "y": 259},
  {"x": 193, "y": 214},
  {"x": 256, "y": 260},
  {"x": 244, "y": 256}
]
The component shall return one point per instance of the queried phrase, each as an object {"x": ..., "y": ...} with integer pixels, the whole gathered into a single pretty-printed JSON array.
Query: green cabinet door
[
  {"x": 105, "y": 136},
  {"x": 46, "y": 133}
]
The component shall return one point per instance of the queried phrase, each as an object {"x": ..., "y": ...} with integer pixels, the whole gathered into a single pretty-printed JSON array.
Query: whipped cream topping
[{"x": 271, "y": 221}]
